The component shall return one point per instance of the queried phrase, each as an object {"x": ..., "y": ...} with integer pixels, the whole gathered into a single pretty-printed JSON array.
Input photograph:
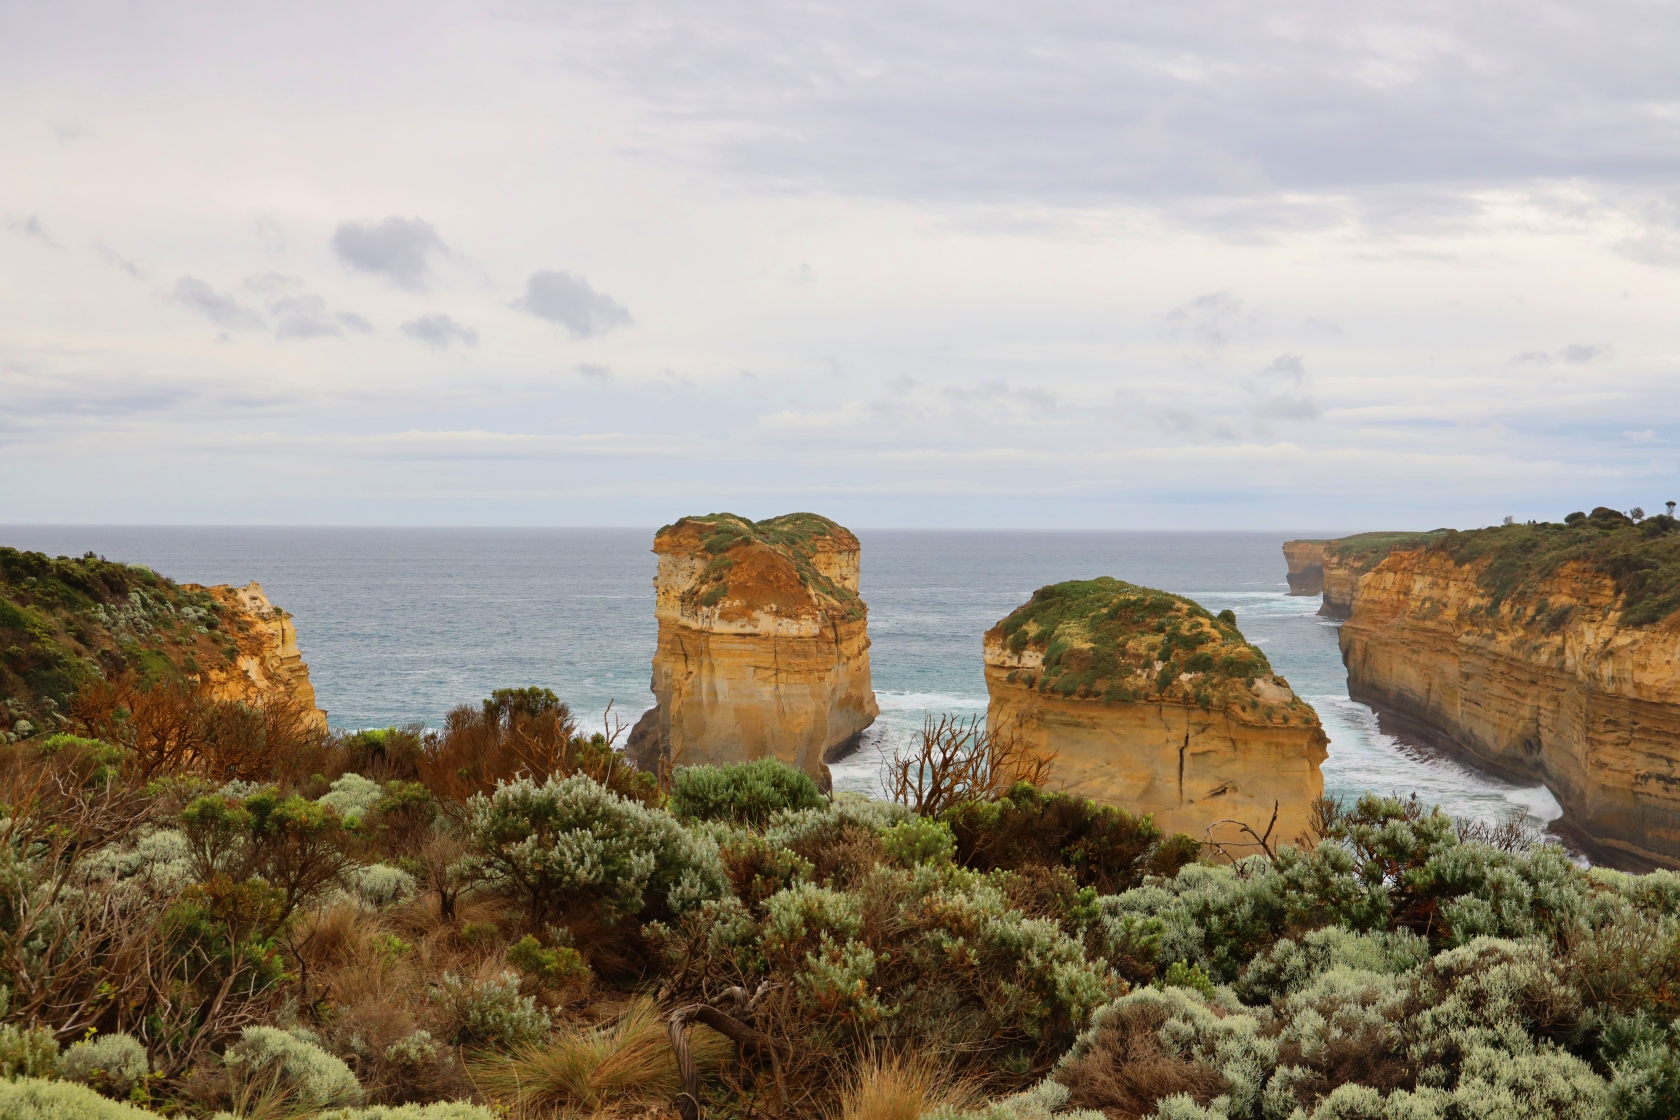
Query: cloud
[
  {"x": 271, "y": 283},
  {"x": 31, "y": 227},
  {"x": 594, "y": 372},
  {"x": 1575, "y": 354},
  {"x": 221, "y": 309},
  {"x": 1209, "y": 319},
  {"x": 399, "y": 249},
  {"x": 1288, "y": 366},
  {"x": 439, "y": 332},
  {"x": 68, "y": 131},
  {"x": 116, "y": 260},
  {"x": 1649, "y": 435},
  {"x": 568, "y": 300},
  {"x": 1288, "y": 406},
  {"x": 308, "y": 317}
]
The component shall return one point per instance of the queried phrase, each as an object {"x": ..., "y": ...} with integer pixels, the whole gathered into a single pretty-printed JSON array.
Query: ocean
[{"x": 400, "y": 625}]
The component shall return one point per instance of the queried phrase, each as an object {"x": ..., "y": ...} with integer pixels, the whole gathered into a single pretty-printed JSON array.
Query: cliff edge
[
  {"x": 1153, "y": 704},
  {"x": 1333, "y": 568},
  {"x": 1547, "y": 653},
  {"x": 763, "y": 645},
  {"x": 67, "y": 621}
]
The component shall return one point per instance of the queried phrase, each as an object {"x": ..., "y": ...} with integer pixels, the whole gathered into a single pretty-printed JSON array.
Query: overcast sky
[{"x": 905, "y": 262}]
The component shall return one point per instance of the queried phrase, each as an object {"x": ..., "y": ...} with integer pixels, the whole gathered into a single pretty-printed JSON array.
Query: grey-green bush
[
  {"x": 571, "y": 842},
  {"x": 304, "y": 1071},
  {"x": 32, "y": 1099},
  {"x": 27, "y": 1052},
  {"x": 744, "y": 792},
  {"x": 110, "y": 1063},
  {"x": 490, "y": 1012}
]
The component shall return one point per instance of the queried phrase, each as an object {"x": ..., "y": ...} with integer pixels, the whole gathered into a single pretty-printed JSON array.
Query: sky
[{"x": 908, "y": 263}]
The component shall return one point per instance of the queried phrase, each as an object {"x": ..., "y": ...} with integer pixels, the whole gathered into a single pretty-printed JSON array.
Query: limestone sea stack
[
  {"x": 1152, "y": 704},
  {"x": 1306, "y": 567},
  {"x": 1546, "y": 653},
  {"x": 267, "y": 660},
  {"x": 763, "y": 644}
]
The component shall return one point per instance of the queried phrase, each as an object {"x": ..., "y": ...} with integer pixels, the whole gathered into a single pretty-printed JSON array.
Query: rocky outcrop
[
  {"x": 763, "y": 644},
  {"x": 1333, "y": 567},
  {"x": 1532, "y": 673},
  {"x": 1306, "y": 566},
  {"x": 1150, "y": 703},
  {"x": 266, "y": 662}
]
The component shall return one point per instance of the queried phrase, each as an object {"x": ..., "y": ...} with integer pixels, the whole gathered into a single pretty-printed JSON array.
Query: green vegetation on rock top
[
  {"x": 1643, "y": 558},
  {"x": 1365, "y": 551},
  {"x": 1104, "y": 639},
  {"x": 70, "y": 620},
  {"x": 793, "y": 536}
]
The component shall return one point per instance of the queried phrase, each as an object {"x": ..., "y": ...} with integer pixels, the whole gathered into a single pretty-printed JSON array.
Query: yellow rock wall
[
  {"x": 775, "y": 668},
  {"x": 1306, "y": 566},
  {"x": 1590, "y": 708},
  {"x": 1188, "y": 767},
  {"x": 269, "y": 661}
]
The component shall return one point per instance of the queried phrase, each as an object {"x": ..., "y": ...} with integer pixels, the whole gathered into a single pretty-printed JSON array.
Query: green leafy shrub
[
  {"x": 1104, "y": 847},
  {"x": 379, "y": 884},
  {"x": 919, "y": 841},
  {"x": 113, "y": 1064},
  {"x": 571, "y": 843},
  {"x": 551, "y": 967},
  {"x": 33, "y": 1099},
  {"x": 746, "y": 792},
  {"x": 27, "y": 1052},
  {"x": 295, "y": 1063},
  {"x": 489, "y": 1012},
  {"x": 351, "y": 796}
]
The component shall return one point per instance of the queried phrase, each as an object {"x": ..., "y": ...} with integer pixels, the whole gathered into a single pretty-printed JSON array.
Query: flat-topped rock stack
[
  {"x": 763, "y": 644},
  {"x": 1153, "y": 704}
]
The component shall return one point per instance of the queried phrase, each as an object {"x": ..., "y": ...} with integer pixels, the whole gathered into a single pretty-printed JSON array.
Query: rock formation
[
  {"x": 1306, "y": 566},
  {"x": 763, "y": 644},
  {"x": 66, "y": 622},
  {"x": 1544, "y": 653},
  {"x": 268, "y": 660},
  {"x": 1334, "y": 567},
  {"x": 1150, "y": 703}
]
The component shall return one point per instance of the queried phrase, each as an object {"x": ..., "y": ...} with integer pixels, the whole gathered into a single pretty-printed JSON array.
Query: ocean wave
[{"x": 927, "y": 701}]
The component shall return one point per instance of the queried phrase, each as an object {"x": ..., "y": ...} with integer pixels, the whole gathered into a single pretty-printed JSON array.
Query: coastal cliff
[
  {"x": 763, "y": 647},
  {"x": 1306, "y": 566},
  {"x": 69, "y": 621},
  {"x": 1333, "y": 568},
  {"x": 1151, "y": 703},
  {"x": 1546, "y": 653}
]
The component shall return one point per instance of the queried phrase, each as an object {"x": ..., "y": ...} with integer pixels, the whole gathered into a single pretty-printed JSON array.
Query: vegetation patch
[
  {"x": 792, "y": 536},
  {"x": 1107, "y": 640}
]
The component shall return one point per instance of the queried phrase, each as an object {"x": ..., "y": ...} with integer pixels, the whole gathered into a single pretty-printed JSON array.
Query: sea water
[{"x": 400, "y": 625}]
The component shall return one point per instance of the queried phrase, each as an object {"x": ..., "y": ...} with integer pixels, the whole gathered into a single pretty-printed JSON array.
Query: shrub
[
  {"x": 380, "y": 884},
  {"x": 919, "y": 841},
  {"x": 32, "y": 1099},
  {"x": 351, "y": 796},
  {"x": 746, "y": 793},
  {"x": 550, "y": 967},
  {"x": 1105, "y": 847},
  {"x": 438, "y": 1110},
  {"x": 27, "y": 1052},
  {"x": 294, "y": 1064},
  {"x": 111, "y": 1063},
  {"x": 570, "y": 842},
  {"x": 489, "y": 1012}
]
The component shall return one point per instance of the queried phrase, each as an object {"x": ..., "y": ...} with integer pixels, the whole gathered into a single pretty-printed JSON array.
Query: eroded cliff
[
  {"x": 69, "y": 621},
  {"x": 763, "y": 645},
  {"x": 1150, "y": 703},
  {"x": 1306, "y": 566},
  {"x": 1333, "y": 567},
  {"x": 1547, "y": 653}
]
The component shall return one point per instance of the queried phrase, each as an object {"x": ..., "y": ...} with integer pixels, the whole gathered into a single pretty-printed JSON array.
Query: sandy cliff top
[{"x": 1104, "y": 640}]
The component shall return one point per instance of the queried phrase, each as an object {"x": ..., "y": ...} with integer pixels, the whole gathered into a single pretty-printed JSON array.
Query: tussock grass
[
  {"x": 596, "y": 1071},
  {"x": 903, "y": 1087}
]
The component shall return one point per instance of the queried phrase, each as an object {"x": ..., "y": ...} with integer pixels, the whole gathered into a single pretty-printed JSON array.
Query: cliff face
[
  {"x": 1535, "y": 673},
  {"x": 66, "y": 622},
  {"x": 1151, "y": 704},
  {"x": 267, "y": 660},
  {"x": 1306, "y": 566},
  {"x": 763, "y": 644}
]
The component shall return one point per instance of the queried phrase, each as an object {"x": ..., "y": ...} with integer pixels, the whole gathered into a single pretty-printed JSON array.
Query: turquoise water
[{"x": 403, "y": 624}]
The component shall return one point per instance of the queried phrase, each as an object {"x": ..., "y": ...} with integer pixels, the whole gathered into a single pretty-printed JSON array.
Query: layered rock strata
[
  {"x": 1540, "y": 678},
  {"x": 1150, "y": 703},
  {"x": 266, "y": 660},
  {"x": 1306, "y": 567},
  {"x": 763, "y": 645}
]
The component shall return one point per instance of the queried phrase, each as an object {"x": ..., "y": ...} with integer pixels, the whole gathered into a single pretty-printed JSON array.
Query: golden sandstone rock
[
  {"x": 763, "y": 644},
  {"x": 1154, "y": 705},
  {"x": 269, "y": 662},
  {"x": 1548, "y": 684},
  {"x": 1306, "y": 567}
]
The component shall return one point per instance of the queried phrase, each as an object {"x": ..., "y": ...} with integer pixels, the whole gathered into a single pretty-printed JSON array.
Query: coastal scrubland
[{"x": 205, "y": 916}]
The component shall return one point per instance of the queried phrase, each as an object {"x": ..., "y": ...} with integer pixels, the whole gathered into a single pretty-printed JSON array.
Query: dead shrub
[
  {"x": 1126, "y": 1071},
  {"x": 952, "y": 760}
]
